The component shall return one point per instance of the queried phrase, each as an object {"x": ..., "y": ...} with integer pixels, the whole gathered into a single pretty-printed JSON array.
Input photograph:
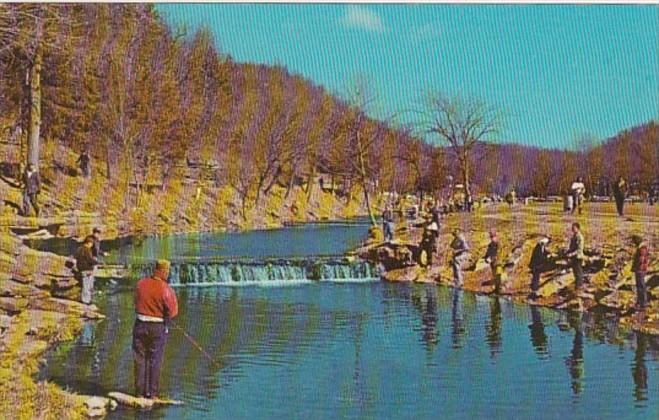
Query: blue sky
[{"x": 556, "y": 72}]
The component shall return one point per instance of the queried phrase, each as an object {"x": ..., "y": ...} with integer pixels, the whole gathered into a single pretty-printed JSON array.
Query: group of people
[
  {"x": 155, "y": 307},
  {"x": 541, "y": 257}
]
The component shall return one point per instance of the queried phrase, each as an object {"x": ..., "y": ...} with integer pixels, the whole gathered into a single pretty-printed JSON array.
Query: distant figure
[
  {"x": 31, "y": 188},
  {"x": 155, "y": 306},
  {"x": 620, "y": 191},
  {"x": 96, "y": 249},
  {"x": 492, "y": 258},
  {"x": 388, "y": 224},
  {"x": 460, "y": 255},
  {"x": 640, "y": 264},
  {"x": 653, "y": 192},
  {"x": 578, "y": 190},
  {"x": 84, "y": 161},
  {"x": 429, "y": 238},
  {"x": 576, "y": 255},
  {"x": 511, "y": 198},
  {"x": 538, "y": 264},
  {"x": 85, "y": 263},
  {"x": 321, "y": 181}
]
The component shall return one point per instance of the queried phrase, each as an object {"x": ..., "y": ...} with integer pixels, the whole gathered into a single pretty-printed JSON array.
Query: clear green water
[{"x": 371, "y": 350}]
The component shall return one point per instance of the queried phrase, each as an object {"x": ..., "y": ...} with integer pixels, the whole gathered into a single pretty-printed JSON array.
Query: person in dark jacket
[
  {"x": 576, "y": 255},
  {"x": 492, "y": 258},
  {"x": 96, "y": 249},
  {"x": 388, "y": 224},
  {"x": 85, "y": 263},
  {"x": 640, "y": 263},
  {"x": 538, "y": 264},
  {"x": 155, "y": 306},
  {"x": 85, "y": 164},
  {"x": 620, "y": 191},
  {"x": 429, "y": 239},
  {"x": 31, "y": 188}
]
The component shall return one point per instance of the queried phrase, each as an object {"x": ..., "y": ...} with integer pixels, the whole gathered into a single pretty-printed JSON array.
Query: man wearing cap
[
  {"x": 492, "y": 258},
  {"x": 460, "y": 254},
  {"x": 538, "y": 263},
  {"x": 85, "y": 263},
  {"x": 155, "y": 305}
]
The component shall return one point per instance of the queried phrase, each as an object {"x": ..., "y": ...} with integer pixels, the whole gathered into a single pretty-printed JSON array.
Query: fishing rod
[{"x": 195, "y": 344}]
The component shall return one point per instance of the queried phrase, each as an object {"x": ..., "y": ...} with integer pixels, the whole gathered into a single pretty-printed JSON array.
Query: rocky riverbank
[{"x": 610, "y": 282}]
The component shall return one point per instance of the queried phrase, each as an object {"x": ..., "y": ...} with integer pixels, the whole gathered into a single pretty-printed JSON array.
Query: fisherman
[
  {"x": 155, "y": 306},
  {"x": 388, "y": 224},
  {"x": 576, "y": 255},
  {"x": 85, "y": 263},
  {"x": 578, "y": 190},
  {"x": 640, "y": 264},
  {"x": 85, "y": 164},
  {"x": 460, "y": 255},
  {"x": 429, "y": 238},
  {"x": 31, "y": 188},
  {"x": 492, "y": 258},
  {"x": 538, "y": 264},
  {"x": 620, "y": 191}
]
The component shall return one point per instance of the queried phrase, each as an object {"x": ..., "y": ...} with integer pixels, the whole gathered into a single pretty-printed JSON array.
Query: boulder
[{"x": 13, "y": 304}]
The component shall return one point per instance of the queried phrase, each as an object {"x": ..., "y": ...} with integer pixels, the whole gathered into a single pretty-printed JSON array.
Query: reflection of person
[
  {"x": 494, "y": 327},
  {"x": 575, "y": 362},
  {"x": 457, "y": 329},
  {"x": 639, "y": 370},
  {"x": 537, "y": 328},
  {"x": 429, "y": 319},
  {"x": 155, "y": 305}
]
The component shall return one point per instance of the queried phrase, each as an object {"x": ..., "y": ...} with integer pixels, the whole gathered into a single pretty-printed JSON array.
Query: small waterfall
[{"x": 268, "y": 272}]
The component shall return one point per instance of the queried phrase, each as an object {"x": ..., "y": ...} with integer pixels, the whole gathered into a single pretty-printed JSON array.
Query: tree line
[{"x": 115, "y": 80}]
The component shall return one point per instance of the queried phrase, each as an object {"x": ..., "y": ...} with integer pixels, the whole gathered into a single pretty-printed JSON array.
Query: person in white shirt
[{"x": 578, "y": 190}]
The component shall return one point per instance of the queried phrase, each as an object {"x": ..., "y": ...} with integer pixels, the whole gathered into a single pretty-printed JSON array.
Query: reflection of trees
[
  {"x": 494, "y": 327},
  {"x": 575, "y": 362},
  {"x": 639, "y": 370},
  {"x": 538, "y": 336}
]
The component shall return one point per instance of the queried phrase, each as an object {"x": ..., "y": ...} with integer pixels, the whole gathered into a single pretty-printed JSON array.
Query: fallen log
[{"x": 141, "y": 402}]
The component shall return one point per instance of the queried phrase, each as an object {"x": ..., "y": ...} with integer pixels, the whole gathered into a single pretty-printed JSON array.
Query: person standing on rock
[
  {"x": 388, "y": 224},
  {"x": 538, "y": 263},
  {"x": 492, "y": 258},
  {"x": 155, "y": 306},
  {"x": 640, "y": 264},
  {"x": 85, "y": 263},
  {"x": 429, "y": 239},
  {"x": 85, "y": 164},
  {"x": 620, "y": 191},
  {"x": 460, "y": 254},
  {"x": 576, "y": 255},
  {"x": 31, "y": 188},
  {"x": 96, "y": 250},
  {"x": 578, "y": 190}
]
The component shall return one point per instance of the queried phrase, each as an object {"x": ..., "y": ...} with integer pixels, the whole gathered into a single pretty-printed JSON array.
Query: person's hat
[
  {"x": 636, "y": 239},
  {"x": 544, "y": 240},
  {"x": 163, "y": 265},
  {"x": 96, "y": 230},
  {"x": 88, "y": 240}
]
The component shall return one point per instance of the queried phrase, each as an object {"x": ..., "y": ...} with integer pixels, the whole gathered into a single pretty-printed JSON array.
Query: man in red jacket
[{"x": 155, "y": 305}]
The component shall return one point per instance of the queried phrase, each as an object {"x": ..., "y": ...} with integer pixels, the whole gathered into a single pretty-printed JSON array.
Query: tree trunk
[
  {"x": 362, "y": 169},
  {"x": 34, "y": 127}
]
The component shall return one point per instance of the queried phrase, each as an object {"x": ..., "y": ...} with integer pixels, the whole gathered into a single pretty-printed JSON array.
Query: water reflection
[
  {"x": 639, "y": 369},
  {"x": 538, "y": 335},
  {"x": 367, "y": 351},
  {"x": 494, "y": 327},
  {"x": 575, "y": 361}
]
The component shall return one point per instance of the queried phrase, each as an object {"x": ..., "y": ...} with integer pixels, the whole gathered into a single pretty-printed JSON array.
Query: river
[{"x": 344, "y": 344}]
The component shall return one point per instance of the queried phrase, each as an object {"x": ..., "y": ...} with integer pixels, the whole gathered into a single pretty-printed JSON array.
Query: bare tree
[{"x": 462, "y": 124}]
